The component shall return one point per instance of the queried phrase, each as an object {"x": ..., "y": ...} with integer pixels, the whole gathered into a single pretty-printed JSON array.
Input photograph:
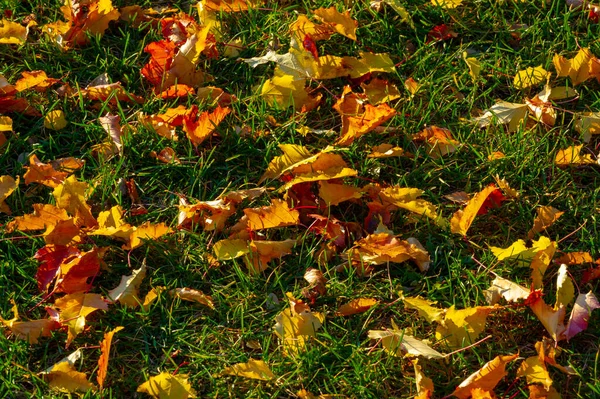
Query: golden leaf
[
  {"x": 355, "y": 306},
  {"x": 192, "y": 295},
  {"x": 342, "y": 23},
  {"x": 530, "y": 77},
  {"x": 278, "y": 214},
  {"x": 50, "y": 174},
  {"x": 254, "y": 369},
  {"x": 7, "y": 186},
  {"x": 105, "y": 354},
  {"x": 380, "y": 91},
  {"x": 70, "y": 195},
  {"x": 334, "y": 194},
  {"x": 571, "y": 156},
  {"x": 485, "y": 378},
  {"x": 463, "y": 218},
  {"x": 168, "y": 386},
  {"x": 12, "y": 32},
  {"x": 461, "y": 327},
  {"x": 424, "y": 308},
  {"x": 127, "y": 291},
  {"x": 296, "y": 325},
  {"x": 74, "y": 308}
]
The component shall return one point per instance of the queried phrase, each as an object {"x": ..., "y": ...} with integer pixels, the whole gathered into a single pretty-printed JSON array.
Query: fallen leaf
[
  {"x": 380, "y": 91},
  {"x": 565, "y": 290},
  {"x": 128, "y": 289},
  {"x": 55, "y": 120},
  {"x": 539, "y": 392},
  {"x": 407, "y": 198},
  {"x": 571, "y": 156},
  {"x": 520, "y": 251},
  {"x": 166, "y": 155},
  {"x": 12, "y": 32},
  {"x": 397, "y": 343},
  {"x": 546, "y": 216},
  {"x": 460, "y": 328},
  {"x": 278, "y": 214},
  {"x": 168, "y": 386},
  {"x": 505, "y": 113},
  {"x": 534, "y": 370},
  {"x": 341, "y": 22},
  {"x": 334, "y": 194},
  {"x": 474, "y": 66},
  {"x": 254, "y": 369},
  {"x": 387, "y": 151},
  {"x": 503, "y": 288},
  {"x": 105, "y": 354},
  {"x": 63, "y": 377},
  {"x": 447, "y": 4},
  {"x": 7, "y": 186},
  {"x": 296, "y": 325},
  {"x": 355, "y": 306},
  {"x": 530, "y": 77},
  {"x": 424, "y": 384},
  {"x": 376, "y": 249},
  {"x": 50, "y": 174},
  {"x": 424, "y": 308},
  {"x": 70, "y": 195},
  {"x": 74, "y": 308},
  {"x": 579, "y": 68},
  {"x": 200, "y": 128},
  {"x": 485, "y": 378},
  {"x": 412, "y": 86},
  {"x": 439, "y": 141},
  {"x": 192, "y": 295},
  {"x": 552, "y": 319},
  {"x": 31, "y": 330},
  {"x": 112, "y": 125},
  {"x": 582, "y": 311},
  {"x": 463, "y": 218}
]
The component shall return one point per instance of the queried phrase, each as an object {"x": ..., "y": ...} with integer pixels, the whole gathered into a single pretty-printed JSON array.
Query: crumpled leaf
[
  {"x": 485, "y": 378},
  {"x": 376, "y": 249},
  {"x": 530, "y": 77},
  {"x": 50, "y": 174},
  {"x": 128, "y": 289},
  {"x": 7, "y": 186},
  {"x": 582, "y": 311},
  {"x": 31, "y": 330},
  {"x": 74, "y": 308},
  {"x": 296, "y": 325},
  {"x": 168, "y": 386},
  {"x": 112, "y": 125},
  {"x": 278, "y": 214},
  {"x": 60, "y": 228},
  {"x": 460, "y": 328},
  {"x": 12, "y": 32},
  {"x": 105, "y": 355},
  {"x": 100, "y": 89},
  {"x": 254, "y": 369},
  {"x": 503, "y": 288},
  {"x": 380, "y": 91},
  {"x": 192, "y": 295},
  {"x": 70, "y": 195},
  {"x": 439, "y": 141},
  {"x": 505, "y": 113},
  {"x": 355, "y": 306},
  {"x": 463, "y": 218},
  {"x": 546, "y": 216},
  {"x": 397, "y": 343}
]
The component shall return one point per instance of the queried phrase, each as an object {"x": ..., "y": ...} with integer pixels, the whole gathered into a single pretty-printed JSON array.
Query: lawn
[{"x": 415, "y": 75}]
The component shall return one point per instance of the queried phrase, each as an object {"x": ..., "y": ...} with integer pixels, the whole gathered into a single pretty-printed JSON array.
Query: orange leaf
[
  {"x": 462, "y": 219},
  {"x": 278, "y": 214},
  {"x": 52, "y": 174},
  {"x": 37, "y": 79},
  {"x": 7, "y": 186},
  {"x": 74, "y": 308},
  {"x": 356, "y": 306},
  {"x": 103, "y": 360},
  {"x": 200, "y": 128},
  {"x": 486, "y": 378},
  {"x": 12, "y": 32}
]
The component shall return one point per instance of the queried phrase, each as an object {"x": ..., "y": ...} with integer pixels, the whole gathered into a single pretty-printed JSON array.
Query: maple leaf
[
  {"x": 376, "y": 249},
  {"x": 100, "y": 89},
  {"x": 77, "y": 270},
  {"x": 530, "y": 77},
  {"x": 105, "y": 355},
  {"x": 447, "y": 4},
  {"x": 50, "y": 174},
  {"x": 254, "y": 369},
  {"x": 571, "y": 157},
  {"x": 380, "y": 91},
  {"x": 278, "y": 214},
  {"x": 405, "y": 198},
  {"x": 520, "y": 251},
  {"x": 34, "y": 79},
  {"x": 168, "y": 386},
  {"x": 258, "y": 253},
  {"x": 485, "y": 378},
  {"x": 474, "y": 66},
  {"x": 31, "y": 330},
  {"x": 424, "y": 308},
  {"x": 579, "y": 68},
  {"x": 199, "y": 128},
  {"x": 146, "y": 231},
  {"x": 359, "y": 119},
  {"x": 439, "y": 141},
  {"x": 296, "y": 325},
  {"x": 355, "y": 306},
  {"x": 128, "y": 289},
  {"x": 387, "y": 151},
  {"x": 552, "y": 319},
  {"x": 60, "y": 228},
  {"x": 334, "y": 194},
  {"x": 534, "y": 370},
  {"x": 212, "y": 215},
  {"x": 505, "y": 113},
  {"x": 397, "y": 343},
  {"x": 13, "y": 32},
  {"x": 70, "y": 195},
  {"x": 285, "y": 91},
  {"x": 7, "y": 186},
  {"x": 63, "y": 377},
  {"x": 463, "y": 218},
  {"x": 342, "y": 23},
  {"x": 74, "y": 308},
  {"x": 578, "y": 321},
  {"x": 461, "y": 327}
]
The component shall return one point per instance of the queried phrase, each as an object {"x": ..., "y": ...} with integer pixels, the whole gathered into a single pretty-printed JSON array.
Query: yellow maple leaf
[
  {"x": 74, "y": 308},
  {"x": 571, "y": 157},
  {"x": 485, "y": 378},
  {"x": 530, "y": 77},
  {"x": 424, "y": 384},
  {"x": 278, "y": 214},
  {"x": 50, "y": 174},
  {"x": 463, "y": 218},
  {"x": 380, "y": 91},
  {"x": 397, "y": 343},
  {"x": 447, "y": 4},
  {"x": 546, "y": 216},
  {"x": 70, "y": 195},
  {"x": 168, "y": 386},
  {"x": 460, "y": 328},
  {"x": 296, "y": 325},
  {"x": 334, "y": 194},
  {"x": 12, "y": 32},
  {"x": 29, "y": 330},
  {"x": 424, "y": 308},
  {"x": 7, "y": 186},
  {"x": 146, "y": 231},
  {"x": 341, "y": 22}
]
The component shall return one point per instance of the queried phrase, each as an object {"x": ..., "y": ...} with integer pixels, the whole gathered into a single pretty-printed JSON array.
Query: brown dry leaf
[
  {"x": 485, "y": 378},
  {"x": 166, "y": 155},
  {"x": 70, "y": 195},
  {"x": 334, "y": 194},
  {"x": 192, "y": 295},
  {"x": 460, "y": 328},
  {"x": 29, "y": 330},
  {"x": 168, "y": 386},
  {"x": 397, "y": 343},
  {"x": 380, "y": 91},
  {"x": 342, "y": 23},
  {"x": 296, "y": 325},
  {"x": 463, "y": 218},
  {"x": 7, "y": 186},
  {"x": 200, "y": 128},
  {"x": 128, "y": 290},
  {"x": 376, "y": 249},
  {"x": 74, "y": 308},
  {"x": 254, "y": 369},
  {"x": 278, "y": 214},
  {"x": 13, "y": 32},
  {"x": 50, "y": 174},
  {"x": 317, "y": 283},
  {"x": 355, "y": 306},
  {"x": 459, "y": 197},
  {"x": 387, "y": 151},
  {"x": 358, "y": 122},
  {"x": 105, "y": 355},
  {"x": 574, "y": 258},
  {"x": 439, "y": 141},
  {"x": 571, "y": 157}
]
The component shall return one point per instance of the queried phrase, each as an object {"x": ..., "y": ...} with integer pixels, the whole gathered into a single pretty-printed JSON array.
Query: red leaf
[
  {"x": 310, "y": 46},
  {"x": 494, "y": 200},
  {"x": 50, "y": 258},
  {"x": 440, "y": 32}
]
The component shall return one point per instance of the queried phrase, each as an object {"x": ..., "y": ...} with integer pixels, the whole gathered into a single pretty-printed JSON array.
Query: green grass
[{"x": 176, "y": 335}]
